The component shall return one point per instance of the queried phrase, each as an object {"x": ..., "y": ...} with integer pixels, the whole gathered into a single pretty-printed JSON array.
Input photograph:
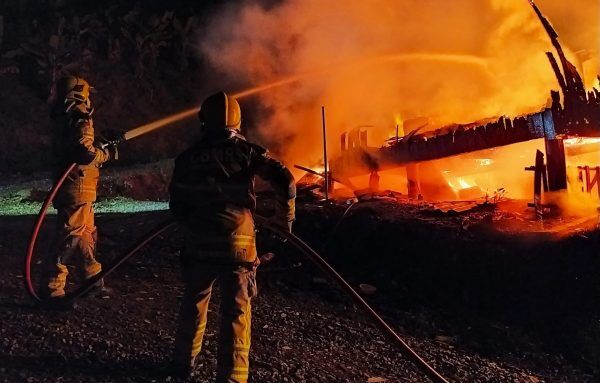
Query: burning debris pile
[
  {"x": 446, "y": 246},
  {"x": 396, "y": 62},
  {"x": 567, "y": 129}
]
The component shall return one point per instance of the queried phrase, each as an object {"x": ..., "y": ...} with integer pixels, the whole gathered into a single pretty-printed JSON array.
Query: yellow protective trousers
[
  {"x": 237, "y": 286},
  {"x": 76, "y": 236}
]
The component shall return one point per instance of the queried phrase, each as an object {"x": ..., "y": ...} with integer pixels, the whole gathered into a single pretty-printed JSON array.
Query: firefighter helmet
[
  {"x": 220, "y": 111},
  {"x": 73, "y": 88}
]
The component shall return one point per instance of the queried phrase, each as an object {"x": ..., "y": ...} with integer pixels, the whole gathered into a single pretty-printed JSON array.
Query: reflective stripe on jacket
[
  {"x": 212, "y": 189},
  {"x": 74, "y": 142}
]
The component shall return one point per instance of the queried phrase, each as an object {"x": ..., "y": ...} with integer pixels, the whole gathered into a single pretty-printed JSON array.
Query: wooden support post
[
  {"x": 556, "y": 164},
  {"x": 414, "y": 183},
  {"x": 326, "y": 168},
  {"x": 374, "y": 181},
  {"x": 539, "y": 180},
  {"x": 362, "y": 138}
]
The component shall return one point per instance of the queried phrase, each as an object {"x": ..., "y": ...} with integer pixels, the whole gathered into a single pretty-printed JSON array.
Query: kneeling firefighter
[
  {"x": 74, "y": 142},
  {"x": 213, "y": 198}
]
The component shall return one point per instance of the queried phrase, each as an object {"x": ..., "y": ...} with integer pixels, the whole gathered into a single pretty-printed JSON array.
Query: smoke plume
[{"x": 373, "y": 62}]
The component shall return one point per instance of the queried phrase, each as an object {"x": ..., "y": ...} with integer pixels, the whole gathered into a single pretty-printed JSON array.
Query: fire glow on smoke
[
  {"x": 379, "y": 63},
  {"x": 370, "y": 62}
]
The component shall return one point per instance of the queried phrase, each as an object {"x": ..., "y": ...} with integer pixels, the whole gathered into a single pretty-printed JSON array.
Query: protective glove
[
  {"x": 285, "y": 212},
  {"x": 113, "y": 151},
  {"x": 109, "y": 140},
  {"x": 112, "y": 136}
]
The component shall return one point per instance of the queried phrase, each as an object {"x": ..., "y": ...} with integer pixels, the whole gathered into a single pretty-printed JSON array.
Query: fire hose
[
  {"x": 36, "y": 230},
  {"x": 315, "y": 258},
  {"x": 306, "y": 250},
  {"x": 68, "y": 300}
]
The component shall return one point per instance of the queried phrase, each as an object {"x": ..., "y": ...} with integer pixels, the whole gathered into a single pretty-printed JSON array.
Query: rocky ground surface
[{"x": 304, "y": 329}]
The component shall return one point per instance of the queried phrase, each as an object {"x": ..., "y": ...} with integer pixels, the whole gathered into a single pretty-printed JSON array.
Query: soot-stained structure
[{"x": 577, "y": 114}]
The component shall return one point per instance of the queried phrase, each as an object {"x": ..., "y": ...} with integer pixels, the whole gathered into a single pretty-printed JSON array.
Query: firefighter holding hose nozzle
[
  {"x": 74, "y": 142},
  {"x": 213, "y": 198}
]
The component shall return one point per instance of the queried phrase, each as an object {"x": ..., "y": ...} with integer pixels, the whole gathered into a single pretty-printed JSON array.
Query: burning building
[
  {"x": 419, "y": 222},
  {"x": 445, "y": 162}
]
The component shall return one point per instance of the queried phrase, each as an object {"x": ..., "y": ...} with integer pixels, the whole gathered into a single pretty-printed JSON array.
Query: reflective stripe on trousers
[
  {"x": 235, "y": 317},
  {"x": 76, "y": 237},
  {"x": 228, "y": 235}
]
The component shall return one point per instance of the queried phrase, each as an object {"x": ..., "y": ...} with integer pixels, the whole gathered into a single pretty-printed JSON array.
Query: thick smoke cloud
[{"x": 371, "y": 62}]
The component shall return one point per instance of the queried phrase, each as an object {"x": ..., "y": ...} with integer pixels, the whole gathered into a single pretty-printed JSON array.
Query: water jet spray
[
  {"x": 408, "y": 57},
  {"x": 143, "y": 129}
]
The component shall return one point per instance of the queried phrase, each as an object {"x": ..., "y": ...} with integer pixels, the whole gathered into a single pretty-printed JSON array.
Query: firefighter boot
[
  {"x": 91, "y": 266},
  {"x": 56, "y": 270}
]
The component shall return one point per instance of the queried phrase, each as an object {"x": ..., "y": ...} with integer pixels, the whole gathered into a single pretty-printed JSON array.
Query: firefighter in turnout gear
[
  {"x": 213, "y": 198},
  {"x": 74, "y": 142}
]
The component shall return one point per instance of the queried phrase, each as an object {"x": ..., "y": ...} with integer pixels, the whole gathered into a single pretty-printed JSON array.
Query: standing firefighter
[
  {"x": 212, "y": 196},
  {"x": 74, "y": 143}
]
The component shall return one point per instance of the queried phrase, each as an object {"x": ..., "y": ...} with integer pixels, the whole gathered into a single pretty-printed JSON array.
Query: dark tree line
[{"x": 140, "y": 55}]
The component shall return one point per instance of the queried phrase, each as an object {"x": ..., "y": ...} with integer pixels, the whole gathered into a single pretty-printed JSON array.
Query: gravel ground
[{"x": 304, "y": 330}]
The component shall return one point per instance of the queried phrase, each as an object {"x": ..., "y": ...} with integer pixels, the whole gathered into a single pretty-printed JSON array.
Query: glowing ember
[
  {"x": 582, "y": 141},
  {"x": 463, "y": 184},
  {"x": 484, "y": 161}
]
